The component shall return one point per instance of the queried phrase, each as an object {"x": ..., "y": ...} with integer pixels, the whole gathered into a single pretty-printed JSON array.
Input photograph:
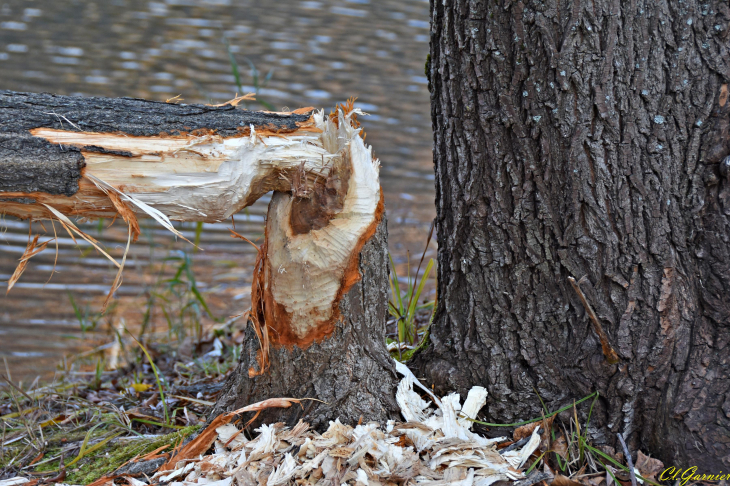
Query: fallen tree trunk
[
  {"x": 94, "y": 157},
  {"x": 190, "y": 162}
]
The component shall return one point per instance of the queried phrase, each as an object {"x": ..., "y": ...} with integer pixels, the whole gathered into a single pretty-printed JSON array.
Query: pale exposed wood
[
  {"x": 299, "y": 290},
  {"x": 188, "y": 178}
]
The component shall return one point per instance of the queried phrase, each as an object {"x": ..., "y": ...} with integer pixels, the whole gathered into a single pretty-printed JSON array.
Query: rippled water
[{"x": 320, "y": 53}]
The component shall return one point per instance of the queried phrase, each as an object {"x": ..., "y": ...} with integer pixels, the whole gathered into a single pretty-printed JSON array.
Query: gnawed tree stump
[
  {"x": 351, "y": 372},
  {"x": 320, "y": 288}
]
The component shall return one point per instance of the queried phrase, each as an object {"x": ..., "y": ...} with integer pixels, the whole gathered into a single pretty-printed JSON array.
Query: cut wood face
[
  {"x": 307, "y": 272},
  {"x": 327, "y": 203}
]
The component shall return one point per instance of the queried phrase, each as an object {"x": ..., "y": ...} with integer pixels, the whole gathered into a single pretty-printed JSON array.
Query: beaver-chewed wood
[{"x": 96, "y": 157}]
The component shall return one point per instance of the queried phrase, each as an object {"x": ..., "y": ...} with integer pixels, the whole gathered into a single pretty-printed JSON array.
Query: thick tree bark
[
  {"x": 320, "y": 291},
  {"x": 586, "y": 140}
]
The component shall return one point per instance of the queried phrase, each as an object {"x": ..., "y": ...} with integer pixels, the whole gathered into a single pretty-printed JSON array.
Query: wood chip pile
[{"x": 434, "y": 446}]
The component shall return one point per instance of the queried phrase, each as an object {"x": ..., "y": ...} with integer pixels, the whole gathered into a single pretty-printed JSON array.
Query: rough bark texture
[
  {"x": 133, "y": 116},
  {"x": 350, "y": 370},
  {"x": 31, "y": 164},
  {"x": 585, "y": 139}
]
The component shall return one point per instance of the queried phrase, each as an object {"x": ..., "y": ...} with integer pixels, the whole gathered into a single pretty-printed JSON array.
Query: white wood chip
[
  {"x": 530, "y": 447},
  {"x": 474, "y": 402},
  {"x": 14, "y": 481}
]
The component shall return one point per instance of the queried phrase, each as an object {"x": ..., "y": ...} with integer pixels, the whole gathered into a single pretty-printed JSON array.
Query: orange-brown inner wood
[{"x": 278, "y": 320}]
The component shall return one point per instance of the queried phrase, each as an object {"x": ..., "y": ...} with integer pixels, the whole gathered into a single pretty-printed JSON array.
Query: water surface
[{"x": 319, "y": 52}]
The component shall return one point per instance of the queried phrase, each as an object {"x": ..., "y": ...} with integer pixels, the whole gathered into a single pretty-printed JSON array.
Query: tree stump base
[{"x": 350, "y": 370}]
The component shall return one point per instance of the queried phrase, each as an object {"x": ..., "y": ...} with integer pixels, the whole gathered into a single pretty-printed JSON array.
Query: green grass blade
[
  {"x": 157, "y": 377},
  {"x": 234, "y": 66},
  {"x": 93, "y": 448},
  {"x": 396, "y": 295},
  {"x": 516, "y": 424},
  {"x": 614, "y": 477},
  {"x": 540, "y": 398},
  {"x": 257, "y": 86},
  {"x": 581, "y": 449},
  {"x": 409, "y": 286},
  {"x": 198, "y": 234},
  {"x": 419, "y": 290},
  {"x": 529, "y": 470},
  {"x": 82, "y": 449},
  {"x": 77, "y": 311},
  {"x": 392, "y": 310},
  {"x": 614, "y": 462},
  {"x": 268, "y": 77},
  {"x": 254, "y": 73},
  {"x": 590, "y": 412},
  {"x": 199, "y": 298}
]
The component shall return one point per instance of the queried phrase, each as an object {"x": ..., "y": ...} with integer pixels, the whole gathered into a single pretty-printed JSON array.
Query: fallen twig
[{"x": 629, "y": 461}]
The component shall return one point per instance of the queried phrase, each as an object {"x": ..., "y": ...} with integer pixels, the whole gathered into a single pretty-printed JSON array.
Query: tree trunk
[
  {"x": 94, "y": 157},
  {"x": 586, "y": 140}
]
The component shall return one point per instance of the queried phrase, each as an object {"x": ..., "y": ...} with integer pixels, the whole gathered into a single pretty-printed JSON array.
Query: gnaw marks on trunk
[
  {"x": 319, "y": 298},
  {"x": 350, "y": 371}
]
